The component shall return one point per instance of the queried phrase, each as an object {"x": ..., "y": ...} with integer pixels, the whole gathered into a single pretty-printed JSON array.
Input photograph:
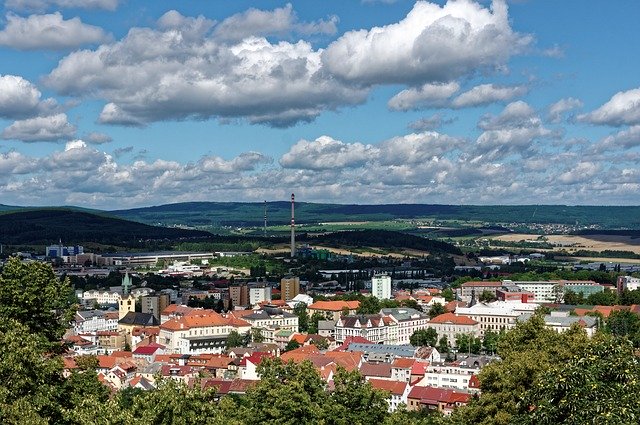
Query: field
[{"x": 571, "y": 243}]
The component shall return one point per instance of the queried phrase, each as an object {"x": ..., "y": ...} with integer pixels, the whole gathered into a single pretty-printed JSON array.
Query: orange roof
[
  {"x": 453, "y": 319},
  {"x": 176, "y": 309},
  {"x": 300, "y": 354},
  {"x": 452, "y": 305},
  {"x": 220, "y": 362},
  {"x": 106, "y": 362},
  {"x": 425, "y": 298},
  {"x": 205, "y": 318},
  {"x": 69, "y": 363},
  {"x": 241, "y": 313},
  {"x": 122, "y": 354},
  {"x": 348, "y": 360},
  {"x": 403, "y": 363},
  {"x": 334, "y": 305},
  {"x": 151, "y": 330},
  {"x": 299, "y": 338},
  {"x": 394, "y": 387}
]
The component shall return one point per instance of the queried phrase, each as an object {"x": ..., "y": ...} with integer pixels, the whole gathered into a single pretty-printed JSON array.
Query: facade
[
  {"x": 442, "y": 400},
  {"x": 475, "y": 289},
  {"x": 259, "y": 294},
  {"x": 450, "y": 325},
  {"x": 373, "y": 327},
  {"x": 270, "y": 320},
  {"x": 381, "y": 286},
  {"x": 562, "y": 322},
  {"x": 448, "y": 376},
  {"x": 94, "y": 321},
  {"x": 100, "y": 297},
  {"x": 627, "y": 282},
  {"x": 155, "y": 304},
  {"x": 239, "y": 295},
  {"x": 408, "y": 321},
  {"x": 496, "y": 316},
  {"x": 289, "y": 287},
  {"x": 552, "y": 291}
]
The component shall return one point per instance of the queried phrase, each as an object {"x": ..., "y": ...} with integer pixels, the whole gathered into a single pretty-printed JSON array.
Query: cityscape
[{"x": 369, "y": 212}]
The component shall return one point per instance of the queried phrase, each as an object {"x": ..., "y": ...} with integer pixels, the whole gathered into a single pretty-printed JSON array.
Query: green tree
[
  {"x": 605, "y": 297},
  {"x": 292, "y": 345},
  {"x": 624, "y": 324},
  {"x": 490, "y": 341},
  {"x": 313, "y": 322},
  {"x": 234, "y": 339},
  {"x": 448, "y": 295},
  {"x": 468, "y": 344},
  {"x": 369, "y": 305},
  {"x": 256, "y": 335},
  {"x": 424, "y": 337},
  {"x": 355, "y": 401},
  {"x": 33, "y": 295},
  {"x": 436, "y": 310},
  {"x": 573, "y": 298},
  {"x": 443, "y": 345},
  {"x": 300, "y": 310},
  {"x": 487, "y": 296}
]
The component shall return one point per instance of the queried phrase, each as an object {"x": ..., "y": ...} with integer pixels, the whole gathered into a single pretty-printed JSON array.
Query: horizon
[{"x": 371, "y": 102}]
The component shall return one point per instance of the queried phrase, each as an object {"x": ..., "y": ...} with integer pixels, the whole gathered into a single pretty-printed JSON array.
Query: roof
[
  {"x": 396, "y": 350},
  {"x": 481, "y": 284},
  {"x": 453, "y": 319},
  {"x": 147, "y": 350},
  {"x": 394, "y": 387},
  {"x": 431, "y": 395},
  {"x": 382, "y": 370},
  {"x": 139, "y": 319},
  {"x": 334, "y": 305},
  {"x": 452, "y": 305},
  {"x": 202, "y": 319},
  {"x": 403, "y": 363}
]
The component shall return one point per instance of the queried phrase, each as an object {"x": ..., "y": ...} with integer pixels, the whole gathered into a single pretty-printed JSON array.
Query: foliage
[
  {"x": 468, "y": 344},
  {"x": 624, "y": 324},
  {"x": 487, "y": 296},
  {"x": 313, "y": 322},
  {"x": 234, "y": 339},
  {"x": 490, "y": 341},
  {"x": 448, "y": 295},
  {"x": 436, "y": 310},
  {"x": 34, "y": 296},
  {"x": 256, "y": 335},
  {"x": 443, "y": 345},
  {"x": 300, "y": 310},
  {"x": 292, "y": 345},
  {"x": 424, "y": 337}
]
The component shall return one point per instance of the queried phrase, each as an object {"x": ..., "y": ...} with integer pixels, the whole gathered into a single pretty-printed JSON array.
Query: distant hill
[
  {"x": 381, "y": 239},
  {"x": 219, "y": 214},
  {"x": 46, "y": 226}
]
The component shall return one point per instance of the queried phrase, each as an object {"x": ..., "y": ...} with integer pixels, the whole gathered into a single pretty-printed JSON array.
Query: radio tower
[
  {"x": 265, "y": 219},
  {"x": 293, "y": 226}
]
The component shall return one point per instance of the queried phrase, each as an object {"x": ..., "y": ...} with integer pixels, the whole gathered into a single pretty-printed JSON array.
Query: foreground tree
[{"x": 424, "y": 337}]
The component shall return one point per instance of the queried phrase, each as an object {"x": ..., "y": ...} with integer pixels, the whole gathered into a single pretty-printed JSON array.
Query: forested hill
[
  {"x": 381, "y": 239},
  {"x": 46, "y": 226},
  {"x": 217, "y": 214}
]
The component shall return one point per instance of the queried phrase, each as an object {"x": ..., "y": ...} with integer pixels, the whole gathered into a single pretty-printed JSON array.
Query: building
[
  {"x": 442, "y": 400},
  {"x": 57, "y": 251},
  {"x": 239, "y": 294},
  {"x": 199, "y": 331},
  {"x": 259, "y": 293},
  {"x": 562, "y": 322},
  {"x": 269, "y": 321},
  {"x": 450, "y": 325},
  {"x": 627, "y": 282},
  {"x": 289, "y": 287},
  {"x": 552, "y": 291},
  {"x": 100, "y": 297},
  {"x": 398, "y": 391},
  {"x": 332, "y": 310},
  {"x": 89, "y": 321},
  {"x": 443, "y": 375},
  {"x": 474, "y": 289},
  {"x": 155, "y": 304},
  {"x": 408, "y": 321},
  {"x": 497, "y": 315},
  {"x": 133, "y": 320},
  {"x": 381, "y": 286},
  {"x": 373, "y": 327}
]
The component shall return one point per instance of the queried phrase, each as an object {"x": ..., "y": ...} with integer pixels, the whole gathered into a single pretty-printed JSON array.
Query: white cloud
[
  {"x": 417, "y": 148},
  {"x": 18, "y": 97},
  {"x": 96, "y": 138},
  {"x": 427, "y": 96},
  {"x": 180, "y": 73},
  {"x": 432, "y": 43},
  {"x": 42, "y": 32},
  {"x": 430, "y": 123},
  {"x": 558, "y": 109},
  {"x": 42, "y": 5},
  {"x": 262, "y": 23},
  {"x": 623, "y": 108},
  {"x": 515, "y": 114},
  {"x": 247, "y": 161},
  {"x": 625, "y": 139},
  {"x": 326, "y": 153},
  {"x": 40, "y": 129},
  {"x": 581, "y": 173},
  {"x": 485, "y": 94}
]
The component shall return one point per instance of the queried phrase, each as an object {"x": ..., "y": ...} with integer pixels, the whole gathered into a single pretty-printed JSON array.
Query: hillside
[
  {"x": 381, "y": 239},
  {"x": 46, "y": 226},
  {"x": 219, "y": 214}
]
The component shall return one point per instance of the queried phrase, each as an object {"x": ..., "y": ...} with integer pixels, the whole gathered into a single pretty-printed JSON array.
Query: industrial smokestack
[
  {"x": 293, "y": 226},
  {"x": 265, "y": 219}
]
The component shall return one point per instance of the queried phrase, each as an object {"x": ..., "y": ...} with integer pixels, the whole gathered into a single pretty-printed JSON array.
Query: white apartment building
[
  {"x": 90, "y": 321},
  {"x": 497, "y": 315},
  {"x": 381, "y": 286},
  {"x": 628, "y": 282},
  {"x": 448, "y": 376},
  {"x": 407, "y": 322},
  {"x": 269, "y": 320},
  {"x": 259, "y": 293},
  {"x": 553, "y": 290},
  {"x": 101, "y": 297}
]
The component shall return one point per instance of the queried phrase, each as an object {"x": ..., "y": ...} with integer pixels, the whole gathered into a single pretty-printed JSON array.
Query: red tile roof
[
  {"x": 453, "y": 319},
  {"x": 334, "y": 305},
  {"x": 394, "y": 387}
]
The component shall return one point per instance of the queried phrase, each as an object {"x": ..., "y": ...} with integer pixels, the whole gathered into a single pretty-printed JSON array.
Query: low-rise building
[
  {"x": 497, "y": 315},
  {"x": 332, "y": 310},
  {"x": 451, "y": 324}
]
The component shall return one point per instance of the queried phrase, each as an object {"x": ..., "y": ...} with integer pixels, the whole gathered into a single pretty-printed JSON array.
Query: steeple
[{"x": 126, "y": 284}]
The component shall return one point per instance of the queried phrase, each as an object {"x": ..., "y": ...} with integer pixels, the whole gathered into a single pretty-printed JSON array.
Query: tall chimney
[
  {"x": 265, "y": 219},
  {"x": 293, "y": 226}
]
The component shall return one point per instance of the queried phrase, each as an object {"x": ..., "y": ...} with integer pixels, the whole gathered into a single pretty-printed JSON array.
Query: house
[
  {"x": 408, "y": 320},
  {"x": 401, "y": 369},
  {"x": 89, "y": 321},
  {"x": 373, "y": 327},
  {"x": 438, "y": 399},
  {"x": 448, "y": 375},
  {"x": 451, "y": 324},
  {"x": 269, "y": 320},
  {"x": 248, "y": 365},
  {"x": 562, "y": 322},
  {"x": 375, "y": 370},
  {"x": 134, "y": 319},
  {"x": 498, "y": 315},
  {"x": 398, "y": 391},
  {"x": 148, "y": 352},
  {"x": 332, "y": 310}
]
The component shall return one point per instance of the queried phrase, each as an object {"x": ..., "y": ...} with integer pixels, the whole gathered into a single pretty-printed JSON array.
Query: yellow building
[{"x": 289, "y": 287}]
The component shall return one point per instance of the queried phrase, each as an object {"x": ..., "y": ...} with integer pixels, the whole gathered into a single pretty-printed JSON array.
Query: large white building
[
  {"x": 552, "y": 291},
  {"x": 628, "y": 282},
  {"x": 451, "y": 325},
  {"x": 497, "y": 315},
  {"x": 89, "y": 321},
  {"x": 381, "y": 286}
]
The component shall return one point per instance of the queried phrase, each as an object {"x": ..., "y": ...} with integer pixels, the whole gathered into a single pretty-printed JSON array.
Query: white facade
[
  {"x": 258, "y": 294},
  {"x": 628, "y": 282},
  {"x": 497, "y": 315},
  {"x": 101, "y": 297},
  {"x": 94, "y": 321},
  {"x": 447, "y": 376},
  {"x": 381, "y": 286}
]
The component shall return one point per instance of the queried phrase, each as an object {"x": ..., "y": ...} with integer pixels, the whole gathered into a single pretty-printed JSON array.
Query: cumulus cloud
[
  {"x": 40, "y": 129},
  {"x": 580, "y": 173},
  {"x": 623, "y": 108},
  {"x": 432, "y": 122},
  {"x": 278, "y": 22},
  {"x": 485, "y": 94},
  {"x": 417, "y": 148},
  {"x": 19, "y": 98},
  {"x": 433, "y": 43},
  {"x": 40, "y": 32},
  {"x": 427, "y": 96},
  {"x": 42, "y": 5},
  {"x": 625, "y": 139},
  {"x": 178, "y": 72},
  {"x": 326, "y": 153},
  {"x": 561, "y": 107},
  {"x": 96, "y": 138}
]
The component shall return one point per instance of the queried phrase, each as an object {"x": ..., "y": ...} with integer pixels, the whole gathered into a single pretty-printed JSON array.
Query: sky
[{"x": 117, "y": 104}]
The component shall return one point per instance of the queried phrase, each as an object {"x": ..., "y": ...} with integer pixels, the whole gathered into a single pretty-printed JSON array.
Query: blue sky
[{"x": 114, "y": 104}]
